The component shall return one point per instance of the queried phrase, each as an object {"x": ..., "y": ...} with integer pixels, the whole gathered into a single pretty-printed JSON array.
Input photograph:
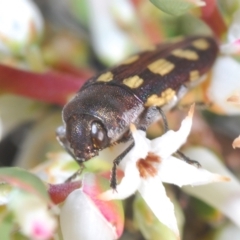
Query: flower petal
[
  {"x": 140, "y": 149},
  {"x": 92, "y": 186},
  {"x": 224, "y": 84},
  {"x": 224, "y": 196},
  {"x": 171, "y": 141},
  {"x": 80, "y": 219},
  {"x": 236, "y": 142},
  {"x": 176, "y": 171},
  {"x": 153, "y": 192}
]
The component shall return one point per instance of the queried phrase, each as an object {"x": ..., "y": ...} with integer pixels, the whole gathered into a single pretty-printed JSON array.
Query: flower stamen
[{"x": 147, "y": 166}]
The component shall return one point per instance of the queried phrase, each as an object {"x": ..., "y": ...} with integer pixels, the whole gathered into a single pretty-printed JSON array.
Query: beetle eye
[{"x": 99, "y": 135}]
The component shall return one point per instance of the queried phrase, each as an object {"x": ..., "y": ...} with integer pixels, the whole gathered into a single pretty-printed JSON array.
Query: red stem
[
  {"x": 213, "y": 18},
  {"x": 51, "y": 87}
]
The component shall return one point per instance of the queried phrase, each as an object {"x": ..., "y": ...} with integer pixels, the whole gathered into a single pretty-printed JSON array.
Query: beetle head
[{"x": 86, "y": 135}]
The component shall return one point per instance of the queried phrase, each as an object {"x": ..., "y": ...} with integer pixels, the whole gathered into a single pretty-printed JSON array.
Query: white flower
[
  {"x": 84, "y": 217},
  {"x": 150, "y": 163}
]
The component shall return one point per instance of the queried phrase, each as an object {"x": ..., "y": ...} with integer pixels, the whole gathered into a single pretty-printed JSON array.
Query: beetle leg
[
  {"x": 116, "y": 161},
  {"x": 151, "y": 115},
  {"x": 164, "y": 118},
  {"x": 187, "y": 159},
  {"x": 76, "y": 174}
]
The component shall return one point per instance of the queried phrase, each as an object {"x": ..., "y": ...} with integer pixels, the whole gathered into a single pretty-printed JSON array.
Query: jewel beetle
[{"x": 136, "y": 91}]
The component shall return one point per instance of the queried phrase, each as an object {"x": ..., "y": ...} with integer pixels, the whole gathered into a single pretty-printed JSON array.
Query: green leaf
[
  {"x": 173, "y": 7},
  {"x": 24, "y": 180},
  {"x": 189, "y": 24}
]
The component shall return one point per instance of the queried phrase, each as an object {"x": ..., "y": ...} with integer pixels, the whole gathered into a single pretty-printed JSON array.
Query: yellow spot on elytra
[
  {"x": 131, "y": 60},
  {"x": 133, "y": 82},
  {"x": 201, "y": 44},
  {"x": 187, "y": 54},
  {"x": 161, "y": 66},
  {"x": 194, "y": 75},
  {"x": 105, "y": 77},
  {"x": 155, "y": 100},
  {"x": 168, "y": 94}
]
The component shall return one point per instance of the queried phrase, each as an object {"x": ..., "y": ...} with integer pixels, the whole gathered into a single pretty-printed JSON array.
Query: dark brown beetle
[{"x": 137, "y": 91}]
